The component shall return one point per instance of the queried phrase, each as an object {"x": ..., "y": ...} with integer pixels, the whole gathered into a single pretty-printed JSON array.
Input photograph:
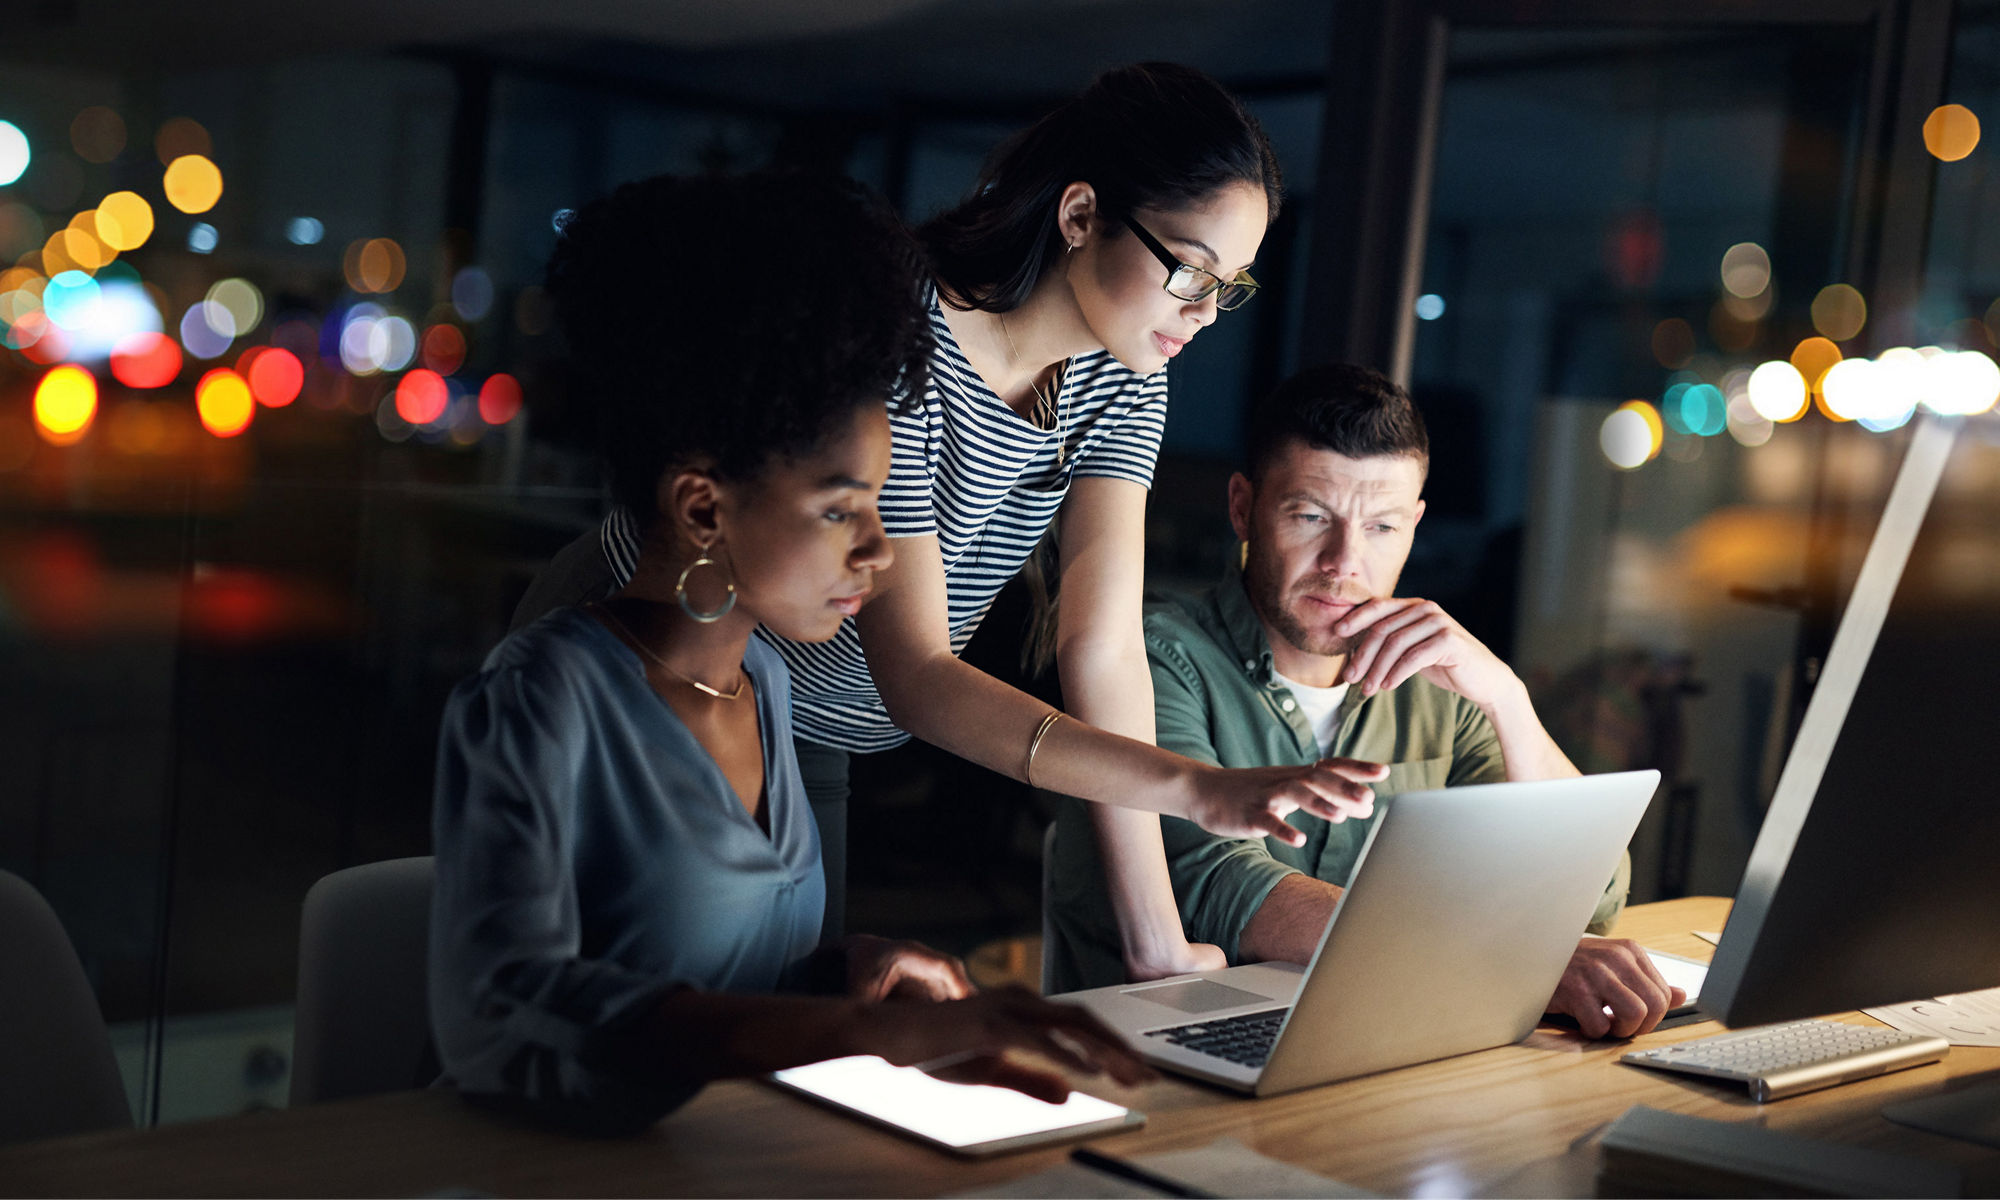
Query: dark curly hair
[
  {"x": 1350, "y": 410},
  {"x": 1150, "y": 135},
  {"x": 729, "y": 321}
]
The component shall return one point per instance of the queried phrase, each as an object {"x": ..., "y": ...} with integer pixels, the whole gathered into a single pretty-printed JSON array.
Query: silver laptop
[{"x": 1461, "y": 914}]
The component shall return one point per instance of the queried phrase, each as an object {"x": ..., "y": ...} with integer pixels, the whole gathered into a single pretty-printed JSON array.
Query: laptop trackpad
[{"x": 1196, "y": 995}]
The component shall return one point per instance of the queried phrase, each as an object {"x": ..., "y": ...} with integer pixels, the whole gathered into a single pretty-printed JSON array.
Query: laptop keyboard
[{"x": 1244, "y": 1040}]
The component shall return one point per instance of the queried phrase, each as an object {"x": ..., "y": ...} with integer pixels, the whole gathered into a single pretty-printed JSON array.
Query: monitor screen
[{"x": 1875, "y": 877}]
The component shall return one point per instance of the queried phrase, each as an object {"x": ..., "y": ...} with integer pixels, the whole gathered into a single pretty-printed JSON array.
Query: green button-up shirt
[{"x": 1216, "y": 698}]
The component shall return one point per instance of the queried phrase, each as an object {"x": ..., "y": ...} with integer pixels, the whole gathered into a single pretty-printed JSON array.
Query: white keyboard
[{"x": 1783, "y": 1060}]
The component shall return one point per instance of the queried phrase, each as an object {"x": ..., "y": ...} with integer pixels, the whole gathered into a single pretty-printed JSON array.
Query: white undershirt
[{"x": 1319, "y": 705}]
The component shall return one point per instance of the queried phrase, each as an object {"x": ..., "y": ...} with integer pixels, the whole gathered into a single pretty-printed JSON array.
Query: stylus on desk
[{"x": 1134, "y": 1173}]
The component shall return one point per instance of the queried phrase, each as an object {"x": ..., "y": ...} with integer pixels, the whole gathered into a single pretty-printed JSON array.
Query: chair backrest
[
  {"x": 60, "y": 1076},
  {"x": 363, "y": 1021}
]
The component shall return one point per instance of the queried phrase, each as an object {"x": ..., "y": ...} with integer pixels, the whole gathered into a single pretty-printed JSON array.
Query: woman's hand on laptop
[
  {"x": 975, "y": 1040},
  {"x": 1253, "y": 801},
  {"x": 1612, "y": 989}
]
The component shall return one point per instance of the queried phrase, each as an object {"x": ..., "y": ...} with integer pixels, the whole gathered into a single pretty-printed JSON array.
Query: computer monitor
[{"x": 1875, "y": 878}]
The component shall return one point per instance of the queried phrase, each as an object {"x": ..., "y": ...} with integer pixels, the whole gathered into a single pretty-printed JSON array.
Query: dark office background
[{"x": 226, "y": 650}]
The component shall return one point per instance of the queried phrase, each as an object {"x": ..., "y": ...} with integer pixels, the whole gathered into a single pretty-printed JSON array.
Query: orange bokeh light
[
  {"x": 1814, "y": 357},
  {"x": 499, "y": 399},
  {"x": 275, "y": 375},
  {"x": 65, "y": 404},
  {"x": 145, "y": 360},
  {"x": 222, "y": 399},
  {"x": 443, "y": 348},
  {"x": 193, "y": 184},
  {"x": 421, "y": 396}
]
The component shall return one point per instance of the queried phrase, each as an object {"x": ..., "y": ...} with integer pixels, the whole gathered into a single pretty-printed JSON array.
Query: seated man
[{"x": 1304, "y": 651}]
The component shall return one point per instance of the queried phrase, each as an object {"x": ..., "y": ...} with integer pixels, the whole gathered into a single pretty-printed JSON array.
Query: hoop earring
[{"x": 681, "y": 591}]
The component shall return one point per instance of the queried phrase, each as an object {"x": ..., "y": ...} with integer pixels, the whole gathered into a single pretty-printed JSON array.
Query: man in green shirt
[{"x": 1304, "y": 652}]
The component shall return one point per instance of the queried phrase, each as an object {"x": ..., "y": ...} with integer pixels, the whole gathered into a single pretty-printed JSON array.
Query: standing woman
[{"x": 1095, "y": 245}]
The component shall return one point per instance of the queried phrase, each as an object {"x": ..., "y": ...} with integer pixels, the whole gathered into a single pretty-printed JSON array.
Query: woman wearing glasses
[{"x": 1095, "y": 245}]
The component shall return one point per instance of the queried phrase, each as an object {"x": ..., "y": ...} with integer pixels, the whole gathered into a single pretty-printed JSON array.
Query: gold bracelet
[{"x": 1035, "y": 743}]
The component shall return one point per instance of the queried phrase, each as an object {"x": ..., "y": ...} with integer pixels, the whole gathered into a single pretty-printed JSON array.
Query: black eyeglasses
[{"x": 1185, "y": 281}]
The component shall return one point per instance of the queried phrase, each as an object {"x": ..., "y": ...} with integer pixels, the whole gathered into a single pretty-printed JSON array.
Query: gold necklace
[
  {"x": 1047, "y": 414},
  {"x": 666, "y": 666}
]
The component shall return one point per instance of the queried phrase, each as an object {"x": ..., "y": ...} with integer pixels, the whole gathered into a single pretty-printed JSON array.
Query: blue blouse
[{"x": 591, "y": 856}]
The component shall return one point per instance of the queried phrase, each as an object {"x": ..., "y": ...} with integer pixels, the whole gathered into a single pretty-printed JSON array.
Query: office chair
[
  {"x": 362, "y": 1024},
  {"x": 60, "y": 1075}
]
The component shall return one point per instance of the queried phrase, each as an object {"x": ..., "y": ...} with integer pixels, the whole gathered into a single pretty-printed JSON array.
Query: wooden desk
[{"x": 1518, "y": 1120}]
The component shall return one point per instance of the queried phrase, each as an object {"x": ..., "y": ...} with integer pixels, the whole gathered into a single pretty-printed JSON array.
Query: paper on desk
[
  {"x": 1225, "y": 1167},
  {"x": 1711, "y": 936},
  {"x": 1967, "y": 1019}
]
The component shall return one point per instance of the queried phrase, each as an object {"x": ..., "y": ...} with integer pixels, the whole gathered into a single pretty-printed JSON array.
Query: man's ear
[
  {"x": 1076, "y": 214},
  {"x": 690, "y": 502},
  {"x": 1242, "y": 498},
  {"x": 1419, "y": 514}
]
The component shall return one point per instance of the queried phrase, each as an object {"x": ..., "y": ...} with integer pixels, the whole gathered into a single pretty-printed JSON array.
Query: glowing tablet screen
[{"x": 967, "y": 1118}]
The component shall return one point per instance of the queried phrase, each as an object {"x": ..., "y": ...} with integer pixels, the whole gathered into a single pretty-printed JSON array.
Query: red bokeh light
[
  {"x": 146, "y": 360},
  {"x": 276, "y": 376},
  {"x": 499, "y": 399},
  {"x": 421, "y": 397}
]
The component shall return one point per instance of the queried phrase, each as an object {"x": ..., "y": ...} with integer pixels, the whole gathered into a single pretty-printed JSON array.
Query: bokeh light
[
  {"x": 376, "y": 265},
  {"x": 202, "y": 237},
  {"x": 1814, "y": 357},
  {"x": 39, "y": 339},
  {"x": 15, "y": 154},
  {"x": 240, "y": 302},
  {"x": 304, "y": 231},
  {"x": 1631, "y": 436},
  {"x": 1951, "y": 132},
  {"x": 1778, "y": 392},
  {"x": 98, "y": 133},
  {"x": 193, "y": 183},
  {"x": 1839, "y": 311},
  {"x": 145, "y": 360},
  {"x": 1961, "y": 383},
  {"x": 1430, "y": 306},
  {"x": 275, "y": 376},
  {"x": 123, "y": 307},
  {"x": 356, "y": 341},
  {"x": 1851, "y": 389},
  {"x": 1746, "y": 270},
  {"x": 1702, "y": 410},
  {"x": 124, "y": 221},
  {"x": 71, "y": 299},
  {"x": 201, "y": 329},
  {"x": 443, "y": 348},
  {"x": 1673, "y": 343},
  {"x": 1748, "y": 426},
  {"x": 499, "y": 399},
  {"x": 421, "y": 397},
  {"x": 182, "y": 136},
  {"x": 222, "y": 399},
  {"x": 393, "y": 343},
  {"x": 65, "y": 404},
  {"x": 472, "y": 293},
  {"x": 81, "y": 243}
]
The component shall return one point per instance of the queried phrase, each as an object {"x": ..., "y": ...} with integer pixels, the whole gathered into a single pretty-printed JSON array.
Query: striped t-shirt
[{"x": 987, "y": 483}]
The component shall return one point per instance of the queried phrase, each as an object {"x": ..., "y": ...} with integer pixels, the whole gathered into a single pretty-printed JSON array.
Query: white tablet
[{"x": 970, "y": 1119}]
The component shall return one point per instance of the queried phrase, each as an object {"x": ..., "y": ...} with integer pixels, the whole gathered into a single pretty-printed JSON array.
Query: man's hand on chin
[
  {"x": 1613, "y": 974},
  {"x": 1395, "y": 637}
]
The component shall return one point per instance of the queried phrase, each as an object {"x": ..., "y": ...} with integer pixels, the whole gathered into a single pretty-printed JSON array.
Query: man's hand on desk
[
  {"x": 969, "y": 1040},
  {"x": 1613, "y": 973},
  {"x": 879, "y": 968}
]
